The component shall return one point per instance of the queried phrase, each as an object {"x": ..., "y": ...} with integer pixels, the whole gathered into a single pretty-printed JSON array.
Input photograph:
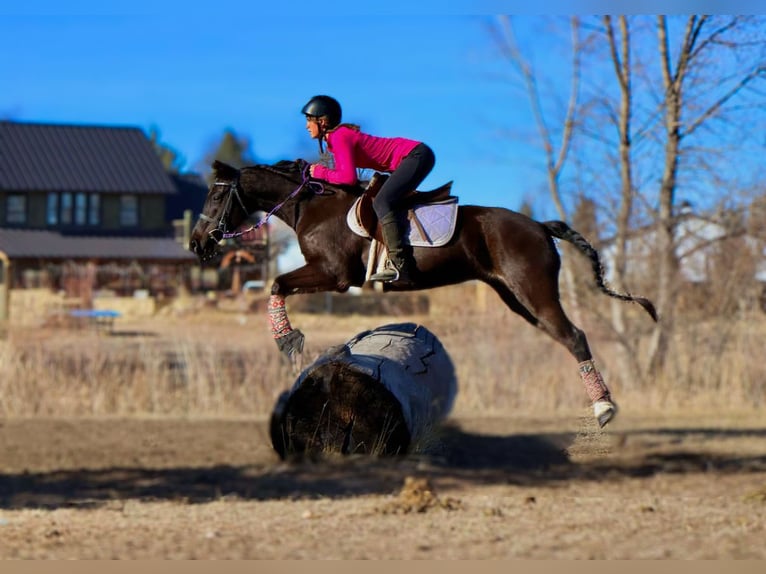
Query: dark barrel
[{"x": 380, "y": 393}]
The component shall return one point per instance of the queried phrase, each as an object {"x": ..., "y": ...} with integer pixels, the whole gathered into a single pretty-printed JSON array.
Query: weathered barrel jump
[{"x": 380, "y": 393}]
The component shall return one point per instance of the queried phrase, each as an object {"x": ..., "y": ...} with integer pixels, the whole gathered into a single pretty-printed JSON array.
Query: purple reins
[{"x": 315, "y": 186}]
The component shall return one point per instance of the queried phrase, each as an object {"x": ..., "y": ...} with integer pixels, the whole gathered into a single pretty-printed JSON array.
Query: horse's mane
[
  {"x": 287, "y": 166},
  {"x": 295, "y": 168},
  {"x": 290, "y": 168}
]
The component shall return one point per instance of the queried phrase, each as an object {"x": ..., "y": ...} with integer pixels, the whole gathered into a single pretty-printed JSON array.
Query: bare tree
[
  {"x": 555, "y": 153},
  {"x": 619, "y": 43},
  {"x": 679, "y": 116},
  {"x": 693, "y": 100},
  {"x": 636, "y": 132}
]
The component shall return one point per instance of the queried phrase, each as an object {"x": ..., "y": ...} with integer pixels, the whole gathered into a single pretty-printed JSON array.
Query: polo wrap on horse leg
[
  {"x": 289, "y": 341},
  {"x": 594, "y": 382},
  {"x": 280, "y": 324}
]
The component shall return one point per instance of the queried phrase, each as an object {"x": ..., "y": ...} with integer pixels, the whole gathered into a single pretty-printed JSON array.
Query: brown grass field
[{"x": 152, "y": 442}]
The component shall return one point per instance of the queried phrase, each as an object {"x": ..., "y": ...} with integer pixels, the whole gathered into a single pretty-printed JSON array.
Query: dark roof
[
  {"x": 30, "y": 244},
  {"x": 192, "y": 191},
  {"x": 53, "y": 157}
]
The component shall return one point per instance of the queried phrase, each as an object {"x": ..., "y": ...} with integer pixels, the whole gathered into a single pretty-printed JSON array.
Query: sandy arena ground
[{"x": 647, "y": 487}]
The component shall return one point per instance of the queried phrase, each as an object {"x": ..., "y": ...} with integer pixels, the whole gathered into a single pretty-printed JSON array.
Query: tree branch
[{"x": 759, "y": 71}]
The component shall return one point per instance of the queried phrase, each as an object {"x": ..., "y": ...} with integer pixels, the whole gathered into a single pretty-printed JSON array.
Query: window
[
  {"x": 94, "y": 209},
  {"x": 66, "y": 208},
  {"x": 52, "y": 211},
  {"x": 16, "y": 209},
  {"x": 80, "y": 208},
  {"x": 128, "y": 210}
]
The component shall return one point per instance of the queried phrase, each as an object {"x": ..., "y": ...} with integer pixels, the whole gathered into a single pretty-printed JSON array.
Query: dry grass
[{"x": 223, "y": 363}]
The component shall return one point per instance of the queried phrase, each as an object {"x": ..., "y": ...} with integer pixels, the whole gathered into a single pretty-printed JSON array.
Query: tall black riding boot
[{"x": 399, "y": 265}]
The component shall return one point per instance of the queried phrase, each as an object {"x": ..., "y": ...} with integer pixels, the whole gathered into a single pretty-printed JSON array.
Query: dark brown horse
[{"x": 512, "y": 253}]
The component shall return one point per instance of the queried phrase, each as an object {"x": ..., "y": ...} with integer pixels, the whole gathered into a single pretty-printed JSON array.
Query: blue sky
[
  {"x": 429, "y": 72},
  {"x": 427, "y": 77}
]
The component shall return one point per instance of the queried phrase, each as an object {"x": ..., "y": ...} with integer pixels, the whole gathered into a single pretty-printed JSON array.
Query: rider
[{"x": 408, "y": 162}]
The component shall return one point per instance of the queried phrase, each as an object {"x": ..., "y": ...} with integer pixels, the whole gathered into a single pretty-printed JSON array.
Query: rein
[{"x": 306, "y": 183}]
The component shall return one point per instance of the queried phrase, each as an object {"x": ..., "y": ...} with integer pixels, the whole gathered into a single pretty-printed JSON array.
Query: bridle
[{"x": 221, "y": 228}]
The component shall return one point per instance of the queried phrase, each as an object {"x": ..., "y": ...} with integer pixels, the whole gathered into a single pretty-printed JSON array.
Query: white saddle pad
[{"x": 436, "y": 219}]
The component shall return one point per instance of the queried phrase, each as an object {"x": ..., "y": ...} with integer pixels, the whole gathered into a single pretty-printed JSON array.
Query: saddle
[{"x": 431, "y": 214}]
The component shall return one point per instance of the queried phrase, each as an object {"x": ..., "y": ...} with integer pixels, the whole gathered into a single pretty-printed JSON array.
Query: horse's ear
[{"x": 224, "y": 170}]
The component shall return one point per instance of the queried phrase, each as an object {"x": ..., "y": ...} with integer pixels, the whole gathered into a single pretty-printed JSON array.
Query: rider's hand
[{"x": 311, "y": 169}]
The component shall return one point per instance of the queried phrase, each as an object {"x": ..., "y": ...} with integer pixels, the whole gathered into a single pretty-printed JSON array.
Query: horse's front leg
[{"x": 306, "y": 279}]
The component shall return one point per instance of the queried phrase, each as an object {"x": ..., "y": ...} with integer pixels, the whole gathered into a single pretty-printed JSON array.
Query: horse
[{"x": 512, "y": 253}]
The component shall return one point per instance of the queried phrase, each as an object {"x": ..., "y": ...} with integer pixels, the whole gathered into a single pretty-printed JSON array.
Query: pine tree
[
  {"x": 171, "y": 160},
  {"x": 233, "y": 149}
]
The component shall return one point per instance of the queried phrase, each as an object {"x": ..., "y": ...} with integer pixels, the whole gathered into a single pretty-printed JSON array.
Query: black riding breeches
[{"x": 414, "y": 168}]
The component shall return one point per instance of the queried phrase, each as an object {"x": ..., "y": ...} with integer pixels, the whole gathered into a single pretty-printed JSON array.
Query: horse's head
[{"x": 223, "y": 211}]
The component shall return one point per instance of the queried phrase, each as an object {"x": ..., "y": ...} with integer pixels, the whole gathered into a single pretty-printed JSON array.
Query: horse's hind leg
[{"x": 541, "y": 308}]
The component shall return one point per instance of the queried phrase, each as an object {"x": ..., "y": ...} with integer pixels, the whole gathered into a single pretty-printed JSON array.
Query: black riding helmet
[{"x": 319, "y": 106}]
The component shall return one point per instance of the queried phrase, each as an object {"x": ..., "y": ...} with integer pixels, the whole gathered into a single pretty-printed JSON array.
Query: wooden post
[
  {"x": 381, "y": 393},
  {"x": 5, "y": 290},
  {"x": 481, "y": 296}
]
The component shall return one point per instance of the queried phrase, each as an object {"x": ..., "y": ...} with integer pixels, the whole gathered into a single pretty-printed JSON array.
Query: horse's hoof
[
  {"x": 604, "y": 411},
  {"x": 291, "y": 344}
]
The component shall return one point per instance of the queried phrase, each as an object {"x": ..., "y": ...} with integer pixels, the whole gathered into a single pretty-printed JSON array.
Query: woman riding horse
[{"x": 408, "y": 161}]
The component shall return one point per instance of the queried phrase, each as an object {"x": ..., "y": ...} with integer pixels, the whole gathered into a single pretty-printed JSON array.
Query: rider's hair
[
  {"x": 354, "y": 127},
  {"x": 323, "y": 135}
]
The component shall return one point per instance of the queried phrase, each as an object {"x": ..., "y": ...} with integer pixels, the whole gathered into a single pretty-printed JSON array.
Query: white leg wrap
[{"x": 604, "y": 411}]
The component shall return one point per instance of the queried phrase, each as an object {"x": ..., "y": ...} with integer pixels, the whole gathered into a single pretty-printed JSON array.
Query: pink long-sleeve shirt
[{"x": 352, "y": 148}]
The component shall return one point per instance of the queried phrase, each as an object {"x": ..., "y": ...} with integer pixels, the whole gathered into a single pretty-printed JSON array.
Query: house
[
  {"x": 708, "y": 253},
  {"x": 85, "y": 207},
  {"x": 91, "y": 207}
]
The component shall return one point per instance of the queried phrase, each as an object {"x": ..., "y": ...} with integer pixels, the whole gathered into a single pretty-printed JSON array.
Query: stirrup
[{"x": 387, "y": 275}]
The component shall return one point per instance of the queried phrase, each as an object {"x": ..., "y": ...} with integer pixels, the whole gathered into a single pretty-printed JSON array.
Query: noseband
[{"x": 221, "y": 228}]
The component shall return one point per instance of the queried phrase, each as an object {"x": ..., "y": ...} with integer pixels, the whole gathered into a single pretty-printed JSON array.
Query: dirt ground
[{"x": 660, "y": 487}]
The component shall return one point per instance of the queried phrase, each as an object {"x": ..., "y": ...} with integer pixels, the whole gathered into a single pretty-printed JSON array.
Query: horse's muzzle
[{"x": 202, "y": 249}]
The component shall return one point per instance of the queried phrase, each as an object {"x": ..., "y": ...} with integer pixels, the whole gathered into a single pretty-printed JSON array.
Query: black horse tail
[{"x": 561, "y": 230}]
